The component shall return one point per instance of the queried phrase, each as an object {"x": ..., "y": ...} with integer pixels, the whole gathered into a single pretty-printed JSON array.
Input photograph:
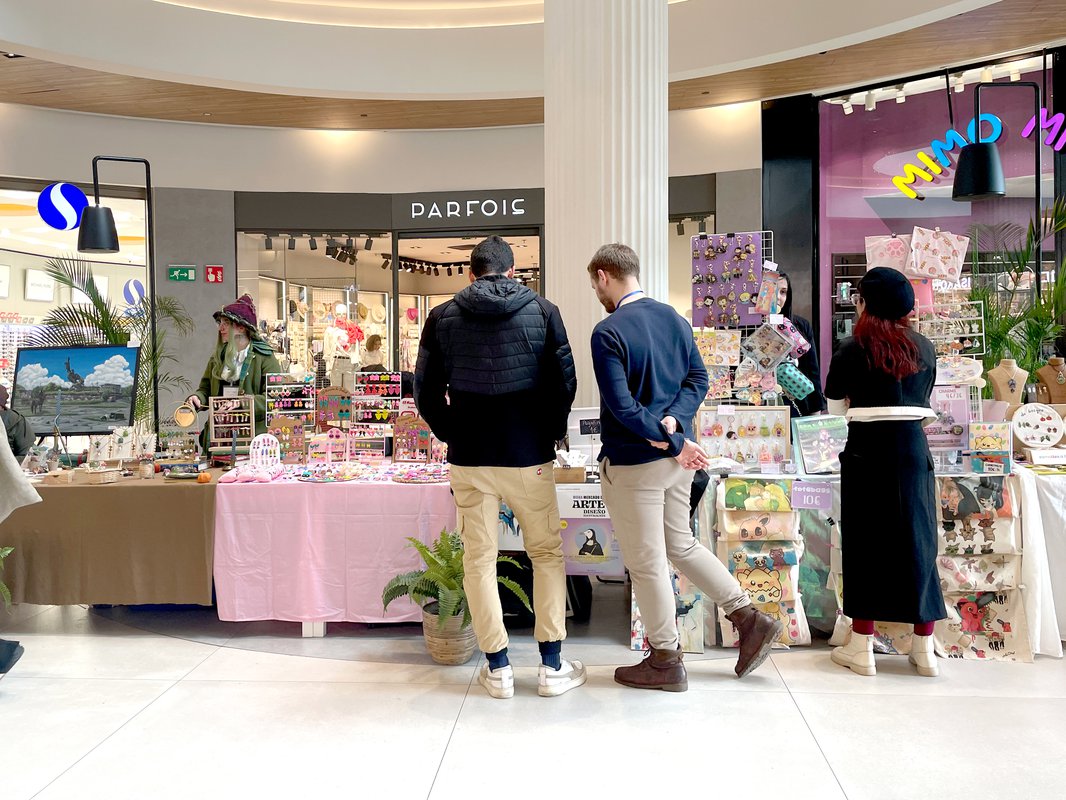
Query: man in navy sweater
[{"x": 652, "y": 381}]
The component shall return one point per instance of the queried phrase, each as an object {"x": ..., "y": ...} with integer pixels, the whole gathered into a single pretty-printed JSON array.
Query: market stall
[{"x": 130, "y": 542}]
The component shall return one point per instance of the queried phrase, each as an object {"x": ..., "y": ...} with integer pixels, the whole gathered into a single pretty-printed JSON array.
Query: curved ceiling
[{"x": 251, "y": 51}]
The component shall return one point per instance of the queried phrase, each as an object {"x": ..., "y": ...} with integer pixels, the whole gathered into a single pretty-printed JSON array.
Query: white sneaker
[
  {"x": 497, "y": 682},
  {"x": 554, "y": 682},
  {"x": 923, "y": 657},
  {"x": 857, "y": 655}
]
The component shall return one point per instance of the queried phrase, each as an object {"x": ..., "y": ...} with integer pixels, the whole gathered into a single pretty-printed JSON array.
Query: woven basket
[{"x": 448, "y": 644}]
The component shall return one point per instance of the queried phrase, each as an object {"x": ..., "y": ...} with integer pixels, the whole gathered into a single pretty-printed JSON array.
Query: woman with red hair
[{"x": 882, "y": 379}]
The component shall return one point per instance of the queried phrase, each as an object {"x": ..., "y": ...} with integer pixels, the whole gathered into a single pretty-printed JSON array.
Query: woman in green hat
[{"x": 241, "y": 359}]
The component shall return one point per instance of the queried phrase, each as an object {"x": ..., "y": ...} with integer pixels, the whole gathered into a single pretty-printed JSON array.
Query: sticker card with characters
[{"x": 756, "y": 494}]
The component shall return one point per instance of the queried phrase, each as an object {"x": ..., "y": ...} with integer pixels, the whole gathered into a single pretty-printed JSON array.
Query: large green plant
[
  {"x": 442, "y": 579},
  {"x": 100, "y": 322},
  {"x": 1019, "y": 323},
  {"x": 5, "y": 593}
]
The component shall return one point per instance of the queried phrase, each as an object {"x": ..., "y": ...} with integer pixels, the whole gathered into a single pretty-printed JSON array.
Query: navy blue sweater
[{"x": 647, "y": 367}]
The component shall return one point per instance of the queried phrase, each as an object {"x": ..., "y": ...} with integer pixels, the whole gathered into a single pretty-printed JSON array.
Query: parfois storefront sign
[{"x": 480, "y": 209}]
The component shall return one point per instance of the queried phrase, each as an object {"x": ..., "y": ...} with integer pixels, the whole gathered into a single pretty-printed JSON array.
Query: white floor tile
[
  {"x": 49, "y": 724},
  {"x": 703, "y": 676},
  {"x": 901, "y": 748},
  {"x": 292, "y": 740},
  {"x": 133, "y": 656},
  {"x": 605, "y": 740},
  {"x": 230, "y": 664},
  {"x": 813, "y": 671}
]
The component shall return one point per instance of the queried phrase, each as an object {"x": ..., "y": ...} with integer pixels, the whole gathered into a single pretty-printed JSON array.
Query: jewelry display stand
[
  {"x": 1052, "y": 380},
  {"x": 1008, "y": 381},
  {"x": 232, "y": 425}
]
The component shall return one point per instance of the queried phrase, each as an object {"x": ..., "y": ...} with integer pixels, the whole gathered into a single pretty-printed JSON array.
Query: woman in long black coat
[{"x": 883, "y": 377}]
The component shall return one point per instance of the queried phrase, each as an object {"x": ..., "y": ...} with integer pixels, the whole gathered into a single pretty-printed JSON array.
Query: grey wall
[
  {"x": 738, "y": 201},
  {"x": 194, "y": 226}
]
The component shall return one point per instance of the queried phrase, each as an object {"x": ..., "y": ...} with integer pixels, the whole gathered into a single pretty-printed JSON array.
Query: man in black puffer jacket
[{"x": 495, "y": 380}]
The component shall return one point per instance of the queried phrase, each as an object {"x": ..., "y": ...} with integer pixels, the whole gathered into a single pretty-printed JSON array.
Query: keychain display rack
[
  {"x": 762, "y": 249},
  {"x": 287, "y": 397},
  {"x": 232, "y": 423}
]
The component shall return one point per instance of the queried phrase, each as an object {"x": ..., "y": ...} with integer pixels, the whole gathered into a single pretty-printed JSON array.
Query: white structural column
[{"x": 605, "y": 151}]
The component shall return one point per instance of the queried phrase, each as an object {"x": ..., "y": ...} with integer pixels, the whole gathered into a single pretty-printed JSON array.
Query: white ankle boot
[
  {"x": 857, "y": 655},
  {"x": 923, "y": 657}
]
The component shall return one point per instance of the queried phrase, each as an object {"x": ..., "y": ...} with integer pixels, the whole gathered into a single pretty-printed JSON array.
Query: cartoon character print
[
  {"x": 755, "y": 527},
  {"x": 763, "y": 587},
  {"x": 977, "y": 617}
]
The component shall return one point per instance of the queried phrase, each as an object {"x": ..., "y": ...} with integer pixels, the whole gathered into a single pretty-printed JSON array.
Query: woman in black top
[
  {"x": 813, "y": 403},
  {"x": 884, "y": 374}
]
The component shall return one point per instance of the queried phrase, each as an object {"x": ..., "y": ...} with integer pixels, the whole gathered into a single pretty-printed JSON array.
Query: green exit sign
[{"x": 181, "y": 272}]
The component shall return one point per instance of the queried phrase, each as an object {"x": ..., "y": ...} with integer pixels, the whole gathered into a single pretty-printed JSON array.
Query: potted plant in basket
[
  {"x": 5, "y": 593},
  {"x": 439, "y": 590}
]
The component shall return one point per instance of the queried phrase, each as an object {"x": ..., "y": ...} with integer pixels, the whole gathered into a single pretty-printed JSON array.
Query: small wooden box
[{"x": 570, "y": 474}]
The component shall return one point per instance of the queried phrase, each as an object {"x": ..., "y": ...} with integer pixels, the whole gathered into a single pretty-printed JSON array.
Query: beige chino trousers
[
  {"x": 649, "y": 508},
  {"x": 530, "y": 493}
]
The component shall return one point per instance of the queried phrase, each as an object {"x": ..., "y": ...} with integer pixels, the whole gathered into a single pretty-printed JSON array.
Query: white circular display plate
[
  {"x": 954, "y": 371},
  {"x": 1038, "y": 426}
]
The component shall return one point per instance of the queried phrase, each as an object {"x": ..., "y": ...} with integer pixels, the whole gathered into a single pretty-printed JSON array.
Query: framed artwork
[{"x": 40, "y": 288}]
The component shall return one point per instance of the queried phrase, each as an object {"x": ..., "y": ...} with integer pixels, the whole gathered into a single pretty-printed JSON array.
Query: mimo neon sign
[{"x": 940, "y": 148}]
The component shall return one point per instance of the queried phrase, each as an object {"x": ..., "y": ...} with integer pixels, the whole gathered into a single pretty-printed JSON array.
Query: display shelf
[
  {"x": 286, "y": 397},
  {"x": 231, "y": 424}
]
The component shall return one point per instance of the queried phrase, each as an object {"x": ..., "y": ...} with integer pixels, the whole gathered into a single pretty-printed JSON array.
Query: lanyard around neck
[{"x": 626, "y": 297}]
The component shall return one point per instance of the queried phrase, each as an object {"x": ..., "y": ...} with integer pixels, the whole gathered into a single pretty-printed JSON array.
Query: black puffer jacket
[{"x": 495, "y": 376}]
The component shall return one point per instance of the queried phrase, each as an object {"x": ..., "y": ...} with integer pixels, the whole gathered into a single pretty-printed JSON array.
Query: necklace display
[
  {"x": 1012, "y": 384},
  {"x": 1060, "y": 377}
]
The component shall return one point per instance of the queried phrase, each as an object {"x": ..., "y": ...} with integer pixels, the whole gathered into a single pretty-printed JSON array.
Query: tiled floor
[{"x": 153, "y": 704}]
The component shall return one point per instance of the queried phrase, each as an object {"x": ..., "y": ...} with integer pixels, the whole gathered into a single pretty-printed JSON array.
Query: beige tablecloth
[{"x": 133, "y": 542}]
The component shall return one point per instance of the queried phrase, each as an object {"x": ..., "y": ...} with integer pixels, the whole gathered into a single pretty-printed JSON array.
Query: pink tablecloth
[{"x": 305, "y": 552}]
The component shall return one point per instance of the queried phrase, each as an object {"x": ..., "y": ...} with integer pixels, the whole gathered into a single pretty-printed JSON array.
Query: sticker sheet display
[
  {"x": 748, "y": 436},
  {"x": 985, "y": 626},
  {"x": 991, "y": 446},
  {"x": 819, "y": 442},
  {"x": 718, "y": 348},
  {"x": 719, "y": 383},
  {"x": 951, "y": 429},
  {"x": 726, "y": 274}
]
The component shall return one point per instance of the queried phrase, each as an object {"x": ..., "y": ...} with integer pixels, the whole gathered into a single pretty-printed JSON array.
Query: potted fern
[{"x": 439, "y": 590}]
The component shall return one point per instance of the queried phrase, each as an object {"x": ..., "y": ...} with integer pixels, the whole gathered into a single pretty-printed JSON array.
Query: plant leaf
[
  {"x": 516, "y": 589},
  {"x": 398, "y": 587}
]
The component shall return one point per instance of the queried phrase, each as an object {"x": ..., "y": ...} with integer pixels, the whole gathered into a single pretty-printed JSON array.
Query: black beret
[{"x": 887, "y": 293}]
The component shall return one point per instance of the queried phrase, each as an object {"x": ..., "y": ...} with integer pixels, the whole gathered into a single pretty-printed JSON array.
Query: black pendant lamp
[
  {"x": 97, "y": 233},
  {"x": 979, "y": 173}
]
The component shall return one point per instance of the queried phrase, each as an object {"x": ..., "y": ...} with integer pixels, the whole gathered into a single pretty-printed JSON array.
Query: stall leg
[{"x": 314, "y": 630}]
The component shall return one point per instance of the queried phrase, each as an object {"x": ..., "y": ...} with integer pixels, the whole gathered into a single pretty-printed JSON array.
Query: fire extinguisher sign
[{"x": 213, "y": 273}]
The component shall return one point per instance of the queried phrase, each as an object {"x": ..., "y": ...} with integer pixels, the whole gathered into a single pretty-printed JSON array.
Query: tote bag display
[
  {"x": 937, "y": 254},
  {"x": 893, "y": 252}
]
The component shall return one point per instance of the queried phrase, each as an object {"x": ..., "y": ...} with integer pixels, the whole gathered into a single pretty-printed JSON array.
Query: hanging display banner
[{"x": 479, "y": 209}]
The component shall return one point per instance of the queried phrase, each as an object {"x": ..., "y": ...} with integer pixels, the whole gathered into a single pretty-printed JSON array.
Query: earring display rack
[
  {"x": 232, "y": 423},
  {"x": 286, "y": 397}
]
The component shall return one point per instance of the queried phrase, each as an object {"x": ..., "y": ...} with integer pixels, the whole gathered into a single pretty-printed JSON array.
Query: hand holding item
[
  {"x": 194, "y": 401},
  {"x": 670, "y": 424},
  {"x": 692, "y": 456}
]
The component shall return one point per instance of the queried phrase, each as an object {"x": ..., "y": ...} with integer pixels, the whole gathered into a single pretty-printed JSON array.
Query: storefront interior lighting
[
  {"x": 847, "y": 106},
  {"x": 386, "y": 262},
  {"x": 871, "y": 101},
  {"x": 314, "y": 243},
  {"x": 703, "y": 226},
  {"x": 292, "y": 242},
  {"x": 269, "y": 243},
  {"x": 460, "y": 269},
  {"x": 986, "y": 75},
  {"x": 681, "y": 227},
  {"x": 901, "y": 96},
  {"x": 436, "y": 272},
  {"x": 960, "y": 83},
  {"x": 1015, "y": 75},
  {"x": 369, "y": 244},
  {"x": 449, "y": 272}
]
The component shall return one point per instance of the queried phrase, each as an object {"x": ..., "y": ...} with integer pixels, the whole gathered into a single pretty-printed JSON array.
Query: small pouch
[
  {"x": 784, "y": 325},
  {"x": 794, "y": 382}
]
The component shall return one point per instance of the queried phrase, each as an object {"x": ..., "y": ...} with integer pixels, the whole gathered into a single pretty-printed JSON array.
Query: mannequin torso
[
  {"x": 1053, "y": 380},
  {"x": 1008, "y": 381}
]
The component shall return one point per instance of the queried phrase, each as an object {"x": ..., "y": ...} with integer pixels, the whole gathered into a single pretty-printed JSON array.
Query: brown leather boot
[
  {"x": 660, "y": 669},
  {"x": 758, "y": 632}
]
